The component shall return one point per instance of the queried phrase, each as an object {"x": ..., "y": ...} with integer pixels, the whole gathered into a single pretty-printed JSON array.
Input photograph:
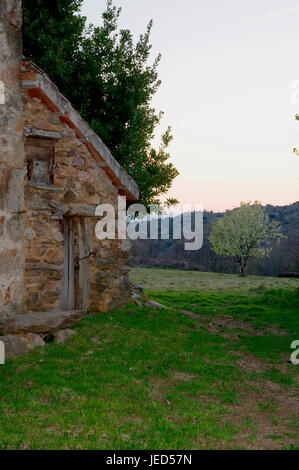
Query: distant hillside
[{"x": 171, "y": 253}]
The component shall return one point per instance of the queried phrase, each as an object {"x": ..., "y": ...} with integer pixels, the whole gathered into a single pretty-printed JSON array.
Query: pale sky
[{"x": 227, "y": 69}]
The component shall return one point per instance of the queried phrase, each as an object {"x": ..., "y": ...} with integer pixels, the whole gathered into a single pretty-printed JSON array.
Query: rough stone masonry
[
  {"x": 11, "y": 160},
  {"x": 54, "y": 171}
]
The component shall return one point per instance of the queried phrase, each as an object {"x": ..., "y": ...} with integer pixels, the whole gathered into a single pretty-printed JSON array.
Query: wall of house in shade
[
  {"x": 11, "y": 160},
  {"x": 60, "y": 202},
  {"x": 51, "y": 181}
]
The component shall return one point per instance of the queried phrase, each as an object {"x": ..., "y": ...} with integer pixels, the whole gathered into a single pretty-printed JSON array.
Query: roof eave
[{"x": 40, "y": 86}]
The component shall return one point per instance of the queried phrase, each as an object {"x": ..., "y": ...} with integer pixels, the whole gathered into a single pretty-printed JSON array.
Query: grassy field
[
  {"x": 161, "y": 280},
  {"x": 209, "y": 372}
]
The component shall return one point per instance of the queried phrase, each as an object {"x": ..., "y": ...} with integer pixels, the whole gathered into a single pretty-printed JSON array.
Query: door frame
[{"x": 76, "y": 278}]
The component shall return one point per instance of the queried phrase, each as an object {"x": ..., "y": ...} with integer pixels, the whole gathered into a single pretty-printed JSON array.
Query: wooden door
[{"x": 76, "y": 263}]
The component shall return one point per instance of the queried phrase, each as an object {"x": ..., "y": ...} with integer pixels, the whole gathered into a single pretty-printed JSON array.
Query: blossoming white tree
[{"x": 245, "y": 232}]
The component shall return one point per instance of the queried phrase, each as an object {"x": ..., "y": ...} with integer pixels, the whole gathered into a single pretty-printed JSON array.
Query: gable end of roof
[{"x": 40, "y": 86}]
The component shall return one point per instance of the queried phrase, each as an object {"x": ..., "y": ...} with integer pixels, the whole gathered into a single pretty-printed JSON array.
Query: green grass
[
  {"x": 143, "y": 378},
  {"x": 161, "y": 280}
]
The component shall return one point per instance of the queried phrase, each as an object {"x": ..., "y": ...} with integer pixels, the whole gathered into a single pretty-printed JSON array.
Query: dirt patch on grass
[
  {"x": 159, "y": 387},
  {"x": 233, "y": 324},
  {"x": 182, "y": 376},
  {"x": 193, "y": 315},
  {"x": 227, "y": 326},
  {"x": 266, "y": 411},
  {"x": 266, "y": 417},
  {"x": 275, "y": 330},
  {"x": 250, "y": 363}
]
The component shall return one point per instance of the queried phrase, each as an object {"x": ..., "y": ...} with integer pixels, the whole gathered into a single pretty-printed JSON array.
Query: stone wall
[
  {"x": 11, "y": 160},
  {"x": 79, "y": 185}
]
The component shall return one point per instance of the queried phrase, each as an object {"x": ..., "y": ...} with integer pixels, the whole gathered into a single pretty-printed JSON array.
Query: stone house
[{"x": 54, "y": 171}]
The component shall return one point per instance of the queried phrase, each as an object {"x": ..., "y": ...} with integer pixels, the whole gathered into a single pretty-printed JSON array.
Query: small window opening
[{"x": 40, "y": 156}]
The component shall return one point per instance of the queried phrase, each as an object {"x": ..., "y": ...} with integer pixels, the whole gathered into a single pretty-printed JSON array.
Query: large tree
[
  {"x": 245, "y": 232},
  {"x": 52, "y": 35},
  {"x": 108, "y": 78}
]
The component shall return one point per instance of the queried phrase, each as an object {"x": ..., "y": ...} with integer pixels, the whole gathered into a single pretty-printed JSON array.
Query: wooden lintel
[{"x": 31, "y": 132}]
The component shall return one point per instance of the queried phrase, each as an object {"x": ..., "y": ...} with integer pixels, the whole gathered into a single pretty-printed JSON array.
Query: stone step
[{"x": 40, "y": 322}]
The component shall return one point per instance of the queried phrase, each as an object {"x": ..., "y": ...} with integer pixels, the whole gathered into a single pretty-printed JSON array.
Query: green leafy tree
[
  {"x": 245, "y": 232},
  {"x": 108, "y": 78},
  {"x": 52, "y": 35}
]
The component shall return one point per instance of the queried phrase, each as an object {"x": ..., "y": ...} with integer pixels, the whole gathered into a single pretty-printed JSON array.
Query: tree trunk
[
  {"x": 242, "y": 266},
  {"x": 242, "y": 271}
]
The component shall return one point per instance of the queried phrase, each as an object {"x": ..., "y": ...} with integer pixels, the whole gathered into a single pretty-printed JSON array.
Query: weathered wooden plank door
[
  {"x": 82, "y": 276},
  {"x": 76, "y": 264}
]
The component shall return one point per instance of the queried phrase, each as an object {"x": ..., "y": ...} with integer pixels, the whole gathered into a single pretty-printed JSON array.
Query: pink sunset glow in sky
[{"x": 227, "y": 72}]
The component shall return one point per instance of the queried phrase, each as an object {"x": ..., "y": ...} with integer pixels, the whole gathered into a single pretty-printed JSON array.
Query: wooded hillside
[{"x": 171, "y": 253}]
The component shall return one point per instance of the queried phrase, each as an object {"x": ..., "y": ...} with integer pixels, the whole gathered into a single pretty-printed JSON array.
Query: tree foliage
[
  {"x": 109, "y": 80},
  {"x": 52, "y": 34},
  {"x": 245, "y": 232}
]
